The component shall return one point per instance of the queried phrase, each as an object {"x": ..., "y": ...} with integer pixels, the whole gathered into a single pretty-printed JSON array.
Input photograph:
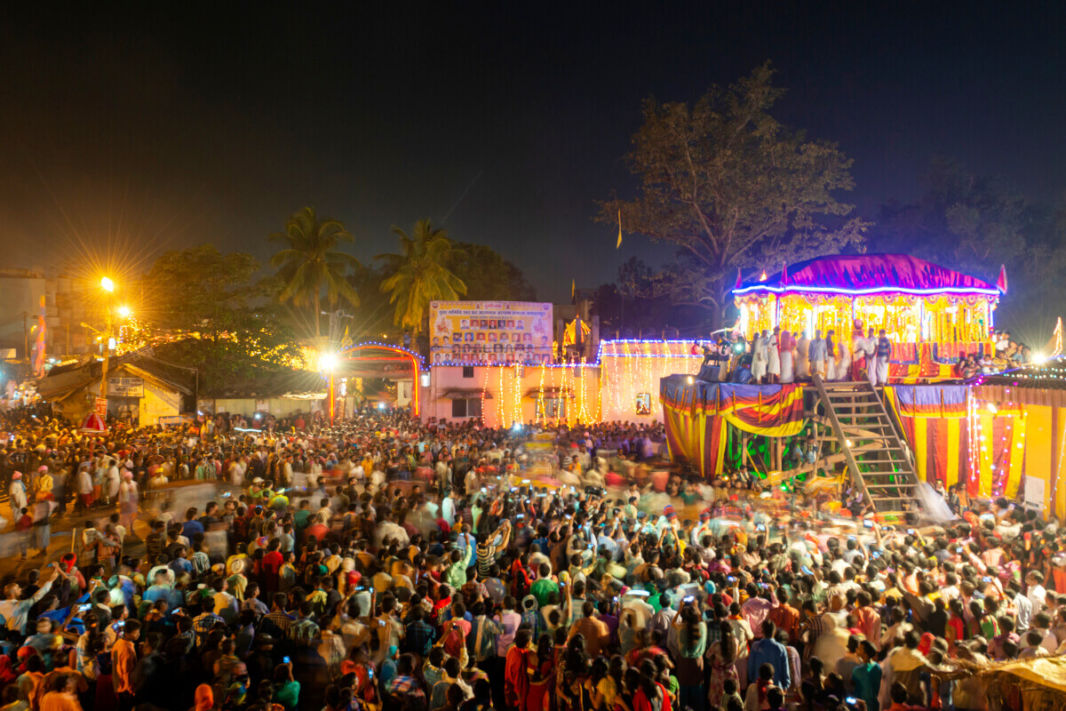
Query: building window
[
  {"x": 643, "y": 403},
  {"x": 466, "y": 407},
  {"x": 468, "y": 371}
]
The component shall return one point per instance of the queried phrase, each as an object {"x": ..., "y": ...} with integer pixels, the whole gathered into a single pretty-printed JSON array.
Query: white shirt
[
  {"x": 447, "y": 510},
  {"x": 18, "y": 495},
  {"x": 1038, "y": 597},
  {"x": 1023, "y": 612},
  {"x": 85, "y": 482}
]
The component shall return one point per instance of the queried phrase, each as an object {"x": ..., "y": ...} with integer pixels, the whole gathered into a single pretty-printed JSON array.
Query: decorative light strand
[{"x": 538, "y": 408}]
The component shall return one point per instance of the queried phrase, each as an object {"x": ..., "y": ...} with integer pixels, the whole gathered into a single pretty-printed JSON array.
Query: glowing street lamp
[
  {"x": 107, "y": 285},
  {"x": 124, "y": 311},
  {"x": 327, "y": 362}
]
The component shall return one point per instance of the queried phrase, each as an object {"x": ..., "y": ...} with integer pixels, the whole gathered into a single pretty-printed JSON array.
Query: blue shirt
[
  {"x": 817, "y": 350},
  {"x": 180, "y": 565},
  {"x": 769, "y": 651},
  {"x": 191, "y": 528}
]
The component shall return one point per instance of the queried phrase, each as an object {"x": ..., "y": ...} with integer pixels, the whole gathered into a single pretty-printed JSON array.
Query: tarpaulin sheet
[
  {"x": 870, "y": 271},
  {"x": 1037, "y": 684}
]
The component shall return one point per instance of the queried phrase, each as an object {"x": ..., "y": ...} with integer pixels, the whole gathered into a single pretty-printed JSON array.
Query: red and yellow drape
[{"x": 696, "y": 414}]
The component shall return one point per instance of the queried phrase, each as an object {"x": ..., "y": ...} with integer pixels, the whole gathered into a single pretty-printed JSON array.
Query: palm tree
[
  {"x": 311, "y": 262},
  {"x": 418, "y": 274}
]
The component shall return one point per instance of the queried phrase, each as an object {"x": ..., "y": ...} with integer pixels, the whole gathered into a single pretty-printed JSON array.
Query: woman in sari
[
  {"x": 516, "y": 670},
  {"x": 722, "y": 657},
  {"x": 542, "y": 676}
]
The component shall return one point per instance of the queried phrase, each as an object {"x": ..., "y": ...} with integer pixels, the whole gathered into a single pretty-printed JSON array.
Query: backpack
[{"x": 452, "y": 641}]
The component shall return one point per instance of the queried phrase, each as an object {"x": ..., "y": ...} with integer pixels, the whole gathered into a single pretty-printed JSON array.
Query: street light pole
[
  {"x": 109, "y": 286},
  {"x": 332, "y": 400}
]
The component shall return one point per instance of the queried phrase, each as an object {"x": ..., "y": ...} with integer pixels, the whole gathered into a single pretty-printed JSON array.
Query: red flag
[
  {"x": 739, "y": 282},
  {"x": 784, "y": 275},
  {"x": 1001, "y": 283}
]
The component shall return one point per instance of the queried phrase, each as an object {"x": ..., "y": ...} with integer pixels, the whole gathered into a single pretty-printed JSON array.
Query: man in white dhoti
[
  {"x": 802, "y": 345},
  {"x": 773, "y": 367},
  {"x": 759, "y": 357},
  {"x": 787, "y": 347},
  {"x": 869, "y": 349}
]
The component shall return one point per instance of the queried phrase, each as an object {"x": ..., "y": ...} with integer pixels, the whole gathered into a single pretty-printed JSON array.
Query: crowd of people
[
  {"x": 1007, "y": 354},
  {"x": 779, "y": 356},
  {"x": 390, "y": 564}
]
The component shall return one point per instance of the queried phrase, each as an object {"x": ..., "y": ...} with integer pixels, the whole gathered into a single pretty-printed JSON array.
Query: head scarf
[
  {"x": 205, "y": 698},
  {"x": 68, "y": 561}
]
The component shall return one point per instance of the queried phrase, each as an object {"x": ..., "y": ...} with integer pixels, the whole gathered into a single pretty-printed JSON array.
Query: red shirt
[
  {"x": 317, "y": 531},
  {"x": 271, "y": 563}
]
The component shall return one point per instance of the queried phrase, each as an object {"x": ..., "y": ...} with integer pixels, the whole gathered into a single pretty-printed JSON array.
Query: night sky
[{"x": 127, "y": 131}]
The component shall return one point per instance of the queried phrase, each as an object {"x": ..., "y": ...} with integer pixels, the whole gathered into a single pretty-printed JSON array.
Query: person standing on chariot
[{"x": 773, "y": 367}]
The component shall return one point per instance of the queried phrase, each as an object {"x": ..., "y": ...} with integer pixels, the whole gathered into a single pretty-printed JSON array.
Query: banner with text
[{"x": 490, "y": 332}]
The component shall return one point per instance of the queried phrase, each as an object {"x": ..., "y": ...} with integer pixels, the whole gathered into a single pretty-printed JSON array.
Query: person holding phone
[{"x": 286, "y": 688}]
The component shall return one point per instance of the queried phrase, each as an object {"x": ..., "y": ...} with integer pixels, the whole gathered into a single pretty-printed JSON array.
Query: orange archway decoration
[{"x": 404, "y": 354}]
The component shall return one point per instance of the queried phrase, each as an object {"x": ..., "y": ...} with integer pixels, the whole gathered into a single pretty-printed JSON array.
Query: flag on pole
[
  {"x": 1001, "y": 283},
  {"x": 573, "y": 289},
  {"x": 784, "y": 275},
  {"x": 619, "y": 245},
  {"x": 739, "y": 280}
]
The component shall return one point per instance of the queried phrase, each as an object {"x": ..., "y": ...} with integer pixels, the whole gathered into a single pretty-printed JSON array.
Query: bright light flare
[
  {"x": 328, "y": 362},
  {"x": 124, "y": 311},
  {"x": 1039, "y": 358},
  {"x": 107, "y": 285}
]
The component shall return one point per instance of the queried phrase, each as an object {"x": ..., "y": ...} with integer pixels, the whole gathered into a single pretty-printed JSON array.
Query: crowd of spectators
[{"x": 389, "y": 564}]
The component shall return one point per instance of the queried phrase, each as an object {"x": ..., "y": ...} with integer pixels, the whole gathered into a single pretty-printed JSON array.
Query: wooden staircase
[{"x": 878, "y": 460}]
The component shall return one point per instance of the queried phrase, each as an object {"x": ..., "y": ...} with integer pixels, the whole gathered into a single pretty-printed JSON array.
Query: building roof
[
  {"x": 867, "y": 273},
  {"x": 63, "y": 381}
]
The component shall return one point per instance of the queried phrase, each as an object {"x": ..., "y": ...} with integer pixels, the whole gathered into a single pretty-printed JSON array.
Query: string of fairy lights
[
  {"x": 582, "y": 391},
  {"x": 985, "y": 447}
]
